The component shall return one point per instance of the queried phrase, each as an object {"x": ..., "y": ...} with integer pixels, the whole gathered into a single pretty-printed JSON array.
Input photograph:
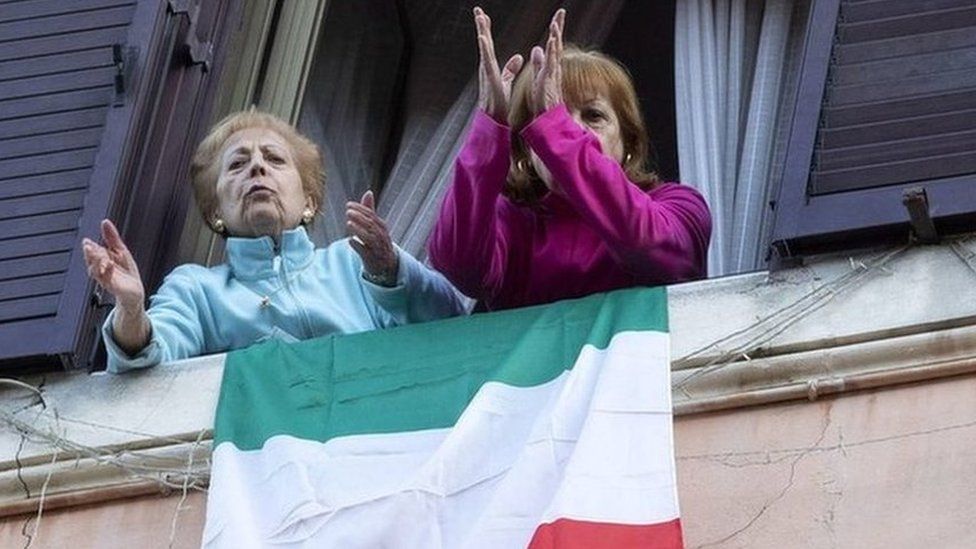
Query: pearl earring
[
  {"x": 307, "y": 216},
  {"x": 218, "y": 226}
]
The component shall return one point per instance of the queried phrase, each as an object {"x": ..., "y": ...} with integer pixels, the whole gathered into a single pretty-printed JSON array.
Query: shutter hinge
[
  {"x": 123, "y": 58},
  {"x": 197, "y": 52}
]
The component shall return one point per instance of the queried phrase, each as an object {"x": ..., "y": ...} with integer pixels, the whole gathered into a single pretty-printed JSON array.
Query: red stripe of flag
[{"x": 577, "y": 534}]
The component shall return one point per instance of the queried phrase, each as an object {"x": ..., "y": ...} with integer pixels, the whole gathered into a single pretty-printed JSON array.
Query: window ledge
[{"x": 840, "y": 323}]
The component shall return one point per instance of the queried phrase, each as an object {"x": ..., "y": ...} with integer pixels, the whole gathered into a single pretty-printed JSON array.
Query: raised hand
[
  {"x": 371, "y": 240},
  {"x": 547, "y": 72},
  {"x": 494, "y": 85},
  {"x": 114, "y": 269}
]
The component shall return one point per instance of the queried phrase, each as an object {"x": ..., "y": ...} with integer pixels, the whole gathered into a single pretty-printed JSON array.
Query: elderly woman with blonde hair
[
  {"x": 552, "y": 197},
  {"x": 259, "y": 183}
]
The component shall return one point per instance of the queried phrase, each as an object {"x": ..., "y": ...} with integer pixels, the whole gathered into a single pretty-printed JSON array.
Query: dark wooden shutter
[
  {"x": 80, "y": 90},
  {"x": 887, "y": 102}
]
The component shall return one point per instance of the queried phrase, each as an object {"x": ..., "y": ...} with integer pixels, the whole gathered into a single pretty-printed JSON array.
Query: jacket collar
[{"x": 254, "y": 258}]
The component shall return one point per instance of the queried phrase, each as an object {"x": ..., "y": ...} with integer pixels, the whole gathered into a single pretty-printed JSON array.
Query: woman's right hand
[
  {"x": 113, "y": 267},
  {"x": 494, "y": 85}
]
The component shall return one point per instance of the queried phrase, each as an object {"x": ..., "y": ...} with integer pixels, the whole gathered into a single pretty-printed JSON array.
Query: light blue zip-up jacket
[{"x": 300, "y": 293}]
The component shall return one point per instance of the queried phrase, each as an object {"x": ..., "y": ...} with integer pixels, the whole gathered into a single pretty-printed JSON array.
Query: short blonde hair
[
  {"x": 205, "y": 167},
  {"x": 585, "y": 73}
]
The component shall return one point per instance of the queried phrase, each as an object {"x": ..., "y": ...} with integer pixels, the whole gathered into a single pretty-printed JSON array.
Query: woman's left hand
[
  {"x": 371, "y": 240},
  {"x": 494, "y": 85},
  {"x": 547, "y": 79}
]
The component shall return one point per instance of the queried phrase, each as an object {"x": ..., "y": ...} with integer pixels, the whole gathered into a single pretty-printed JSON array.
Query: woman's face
[
  {"x": 597, "y": 116},
  {"x": 259, "y": 191}
]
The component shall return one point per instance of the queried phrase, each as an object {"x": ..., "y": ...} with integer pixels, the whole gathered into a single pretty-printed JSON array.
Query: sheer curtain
[
  {"x": 392, "y": 92},
  {"x": 730, "y": 62}
]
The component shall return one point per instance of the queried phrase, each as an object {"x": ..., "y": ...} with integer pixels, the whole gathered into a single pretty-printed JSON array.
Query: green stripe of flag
[{"x": 414, "y": 377}]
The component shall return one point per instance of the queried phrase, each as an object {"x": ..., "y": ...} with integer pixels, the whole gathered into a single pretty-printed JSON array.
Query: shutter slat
[
  {"x": 24, "y": 226},
  {"x": 31, "y": 287},
  {"x": 896, "y": 172},
  {"x": 62, "y": 43},
  {"x": 54, "y": 83},
  {"x": 61, "y": 24},
  {"x": 40, "y": 144},
  {"x": 898, "y": 129},
  {"x": 46, "y": 163},
  {"x": 916, "y": 23},
  {"x": 39, "y": 184},
  {"x": 905, "y": 45},
  {"x": 33, "y": 266},
  {"x": 884, "y": 9},
  {"x": 32, "y": 307},
  {"x": 58, "y": 63},
  {"x": 836, "y": 117},
  {"x": 909, "y": 66},
  {"x": 44, "y": 8},
  {"x": 12, "y": 248},
  {"x": 921, "y": 85},
  {"x": 39, "y": 204},
  {"x": 48, "y": 104},
  {"x": 894, "y": 151},
  {"x": 62, "y": 121}
]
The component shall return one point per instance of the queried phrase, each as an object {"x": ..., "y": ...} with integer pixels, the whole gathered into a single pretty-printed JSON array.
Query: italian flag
[{"x": 542, "y": 427}]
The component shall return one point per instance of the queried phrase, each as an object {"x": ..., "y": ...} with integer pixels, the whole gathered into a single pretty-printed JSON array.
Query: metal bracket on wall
[
  {"x": 917, "y": 204},
  {"x": 197, "y": 52}
]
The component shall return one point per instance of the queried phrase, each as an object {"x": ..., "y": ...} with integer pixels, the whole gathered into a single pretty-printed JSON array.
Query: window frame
[{"x": 805, "y": 223}]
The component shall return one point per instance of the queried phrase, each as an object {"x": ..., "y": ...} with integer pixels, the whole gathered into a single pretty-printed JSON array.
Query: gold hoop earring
[
  {"x": 307, "y": 216},
  {"x": 520, "y": 166},
  {"x": 218, "y": 226}
]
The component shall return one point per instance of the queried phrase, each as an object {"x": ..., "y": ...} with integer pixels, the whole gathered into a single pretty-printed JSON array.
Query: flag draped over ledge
[{"x": 543, "y": 427}]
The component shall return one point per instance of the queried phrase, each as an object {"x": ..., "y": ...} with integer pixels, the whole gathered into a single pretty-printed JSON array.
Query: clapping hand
[
  {"x": 494, "y": 85},
  {"x": 371, "y": 240},
  {"x": 547, "y": 73}
]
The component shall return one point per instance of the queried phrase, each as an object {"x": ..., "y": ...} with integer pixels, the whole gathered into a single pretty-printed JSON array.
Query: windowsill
[{"x": 893, "y": 324}]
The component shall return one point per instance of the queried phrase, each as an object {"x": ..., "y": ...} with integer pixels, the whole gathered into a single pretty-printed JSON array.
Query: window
[
  {"x": 886, "y": 103},
  {"x": 393, "y": 84}
]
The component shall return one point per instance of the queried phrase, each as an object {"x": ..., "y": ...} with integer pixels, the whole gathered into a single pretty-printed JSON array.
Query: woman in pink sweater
[{"x": 559, "y": 204}]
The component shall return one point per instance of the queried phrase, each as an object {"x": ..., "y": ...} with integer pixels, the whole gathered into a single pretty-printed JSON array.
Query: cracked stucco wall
[{"x": 893, "y": 467}]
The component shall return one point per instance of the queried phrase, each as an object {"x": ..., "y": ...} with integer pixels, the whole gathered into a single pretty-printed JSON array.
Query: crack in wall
[
  {"x": 727, "y": 458},
  {"x": 782, "y": 493}
]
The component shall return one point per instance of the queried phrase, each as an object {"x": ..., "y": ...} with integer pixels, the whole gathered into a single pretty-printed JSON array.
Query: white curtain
[{"x": 730, "y": 62}]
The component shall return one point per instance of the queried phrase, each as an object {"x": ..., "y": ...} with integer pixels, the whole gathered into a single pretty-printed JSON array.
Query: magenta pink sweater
[{"x": 604, "y": 234}]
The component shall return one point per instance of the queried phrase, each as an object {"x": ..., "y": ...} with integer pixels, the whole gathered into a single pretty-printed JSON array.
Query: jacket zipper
[{"x": 283, "y": 275}]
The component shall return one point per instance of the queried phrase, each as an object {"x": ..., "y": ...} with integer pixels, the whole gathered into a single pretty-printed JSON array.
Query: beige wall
[
  {"x": 887, "y": 468},
  {"x": 144, "y": 523}
]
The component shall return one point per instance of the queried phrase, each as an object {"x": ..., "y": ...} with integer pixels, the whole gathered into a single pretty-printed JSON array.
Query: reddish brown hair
[{"x": 586, "y": 73}]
